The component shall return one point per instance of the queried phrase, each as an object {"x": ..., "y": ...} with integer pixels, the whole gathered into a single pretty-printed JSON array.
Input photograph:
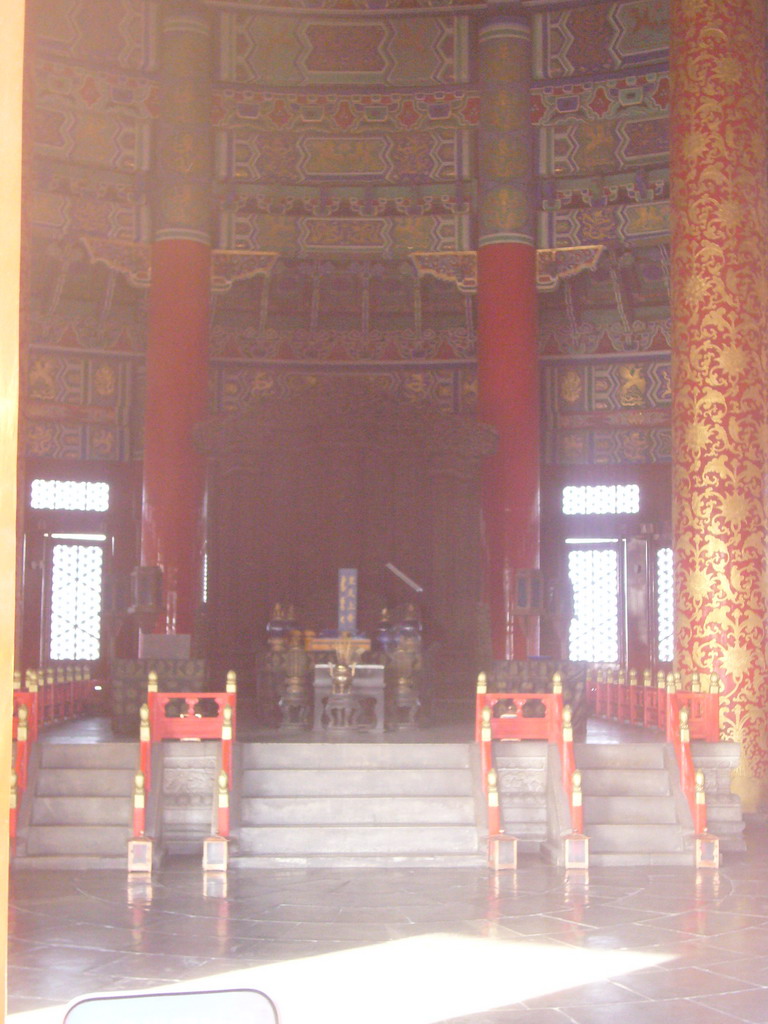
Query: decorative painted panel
[
  {"x": 380, "y": 236},
  {"x": 289, "y": 158},
  {"x": 269, "y": 110},
  {"x": 603, "y": 225},
  {"x": 283, "y": 50},
  {"x": 117, "y": 33},
  {"x": 451, "y": 389},
  {"x": 603, "y": 411},
  {"x": 59, "y": 215},
  {"x": 558, "y": 334},
  {"x": 86, "y": 332},
  {"x": 638, "y": 96},
  {"x": 605, "y": 146},
  {"x": 94, "y": 89},
  {"x": 310, "y": 201},
  {"x": 362, "y": 6},
  {"x": 86, "y": 137},
  {"x": 76, "y": 407},
  {"x": 594, "y": 38}
]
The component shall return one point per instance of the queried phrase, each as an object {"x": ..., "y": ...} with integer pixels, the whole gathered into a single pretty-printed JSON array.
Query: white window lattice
[
  {"x": 664, "y": 604},
  {"x": 603, "y": 499},
  {"x": 76, "y": 583},
  {"x": 594, "y": 633},
  {"x": 70, "y": 495}
]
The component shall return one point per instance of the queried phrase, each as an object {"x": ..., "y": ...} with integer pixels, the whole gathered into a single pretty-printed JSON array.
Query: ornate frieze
[{"x": 283, "y": 50}]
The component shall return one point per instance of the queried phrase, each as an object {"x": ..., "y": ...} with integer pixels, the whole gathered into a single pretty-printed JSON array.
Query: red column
[
  {"x": 718, "y": 172},
  {"x": 507, "y": 357},
  {"x": 176, "y": 399},
  {"x": 177, "y": 343}
]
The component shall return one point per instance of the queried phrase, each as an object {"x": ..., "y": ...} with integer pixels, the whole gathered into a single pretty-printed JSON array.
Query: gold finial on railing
[
  {"x": 152, "y": 682},
  {"x": 567, "y": 724},
  {"x": 231, "y": 686},
  {"x": 647, "y": 677},
  {"x": 482, "y": 682},
  {"x": 685, "y": 730},
  {"x": 660, "y": 680},
  {"x": 21, "y": 726},
  {"x": 485, "y": 724},
  {"x": 622, "y": 677},
  {"x": 222, "y": 788},
  {"x": 678, "y": 680},
  {"x": 700, "y": 786},
  {"x": 695, "y": 682},
  {"x": 576, "y": 795},
  {"x": 144, "y": 723},
  {"x": 17, "y": 680},
  {"x": 226, "y": 723},
  {"x": 139, "y": 790},
  {"x": 32, "y": 680},
  {"x": 714, "y": 682},
  {"x": 633, "y": 677},
  {"x": 670, "y": 682},
  {"x": 493, "y": 788},
  {"x": 557, "y": 682}
]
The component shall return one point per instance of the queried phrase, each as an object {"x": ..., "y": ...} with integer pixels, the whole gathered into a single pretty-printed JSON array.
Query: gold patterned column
[{"x": 720, "y": 434}]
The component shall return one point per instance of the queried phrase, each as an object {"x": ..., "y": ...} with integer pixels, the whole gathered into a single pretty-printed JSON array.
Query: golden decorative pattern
[{"x": 719, "y": 228}]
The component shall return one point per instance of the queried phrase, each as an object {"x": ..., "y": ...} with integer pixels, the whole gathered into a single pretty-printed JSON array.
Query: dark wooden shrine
[{"x": 345, "y": 478}]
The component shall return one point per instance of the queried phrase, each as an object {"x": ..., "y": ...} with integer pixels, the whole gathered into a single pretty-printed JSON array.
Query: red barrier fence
[
  {"x": 186, "y": 716},
  {"x": 525, "y": 716},
  {"x": 626, "y": 698}
]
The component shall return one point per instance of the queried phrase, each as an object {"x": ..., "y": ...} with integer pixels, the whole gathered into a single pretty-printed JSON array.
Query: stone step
[
  {"x": 78, "y": 840},
  {"x": 355, "y": 755},
  {"x": 635, "y": 838},
  {"x": 79, "y": 782},
  {"x": 369, "y": 782},
  {"x": 646, "y": 810},
  {"x": 81, "y": 810},
  {"x": 84, "y": 756},
  {"x": 358, "y": 841},
  {"x": 625, "y": 781},
  {"x": 620, "y": 755},
  {"x": 520, "y": 754},
  {"x": 399, "y": 810}
]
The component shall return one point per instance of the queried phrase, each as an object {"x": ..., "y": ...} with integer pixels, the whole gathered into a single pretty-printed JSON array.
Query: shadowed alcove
[{"x": 344, "y": 478}]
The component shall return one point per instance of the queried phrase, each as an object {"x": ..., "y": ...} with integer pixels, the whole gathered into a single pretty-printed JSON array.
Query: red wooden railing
[
  {"x": 627, "y": 699},
  {"x": 186, "y": 716},
  {"x": 525, "y": 716}
]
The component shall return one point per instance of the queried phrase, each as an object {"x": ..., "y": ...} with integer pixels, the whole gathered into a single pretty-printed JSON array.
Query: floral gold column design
[
  {"x": 720, "y": 436},
  {"x": 179, "y": 301},
  {"x": 508, "y": 383}
]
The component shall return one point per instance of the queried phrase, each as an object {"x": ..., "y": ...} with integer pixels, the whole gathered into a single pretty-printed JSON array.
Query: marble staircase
[
  {"x": 76, "y": 812},
  {"x": 364, "y": 804}
]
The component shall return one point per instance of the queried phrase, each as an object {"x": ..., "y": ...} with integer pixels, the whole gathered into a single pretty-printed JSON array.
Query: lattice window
[
  {"x": 70, "y": 495},
  {"x": 76, "y": 584},
  {"x": 665, "y": 605},
  {"x": 605, "y": 499},
  {"x": 594, "y": 630}
]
